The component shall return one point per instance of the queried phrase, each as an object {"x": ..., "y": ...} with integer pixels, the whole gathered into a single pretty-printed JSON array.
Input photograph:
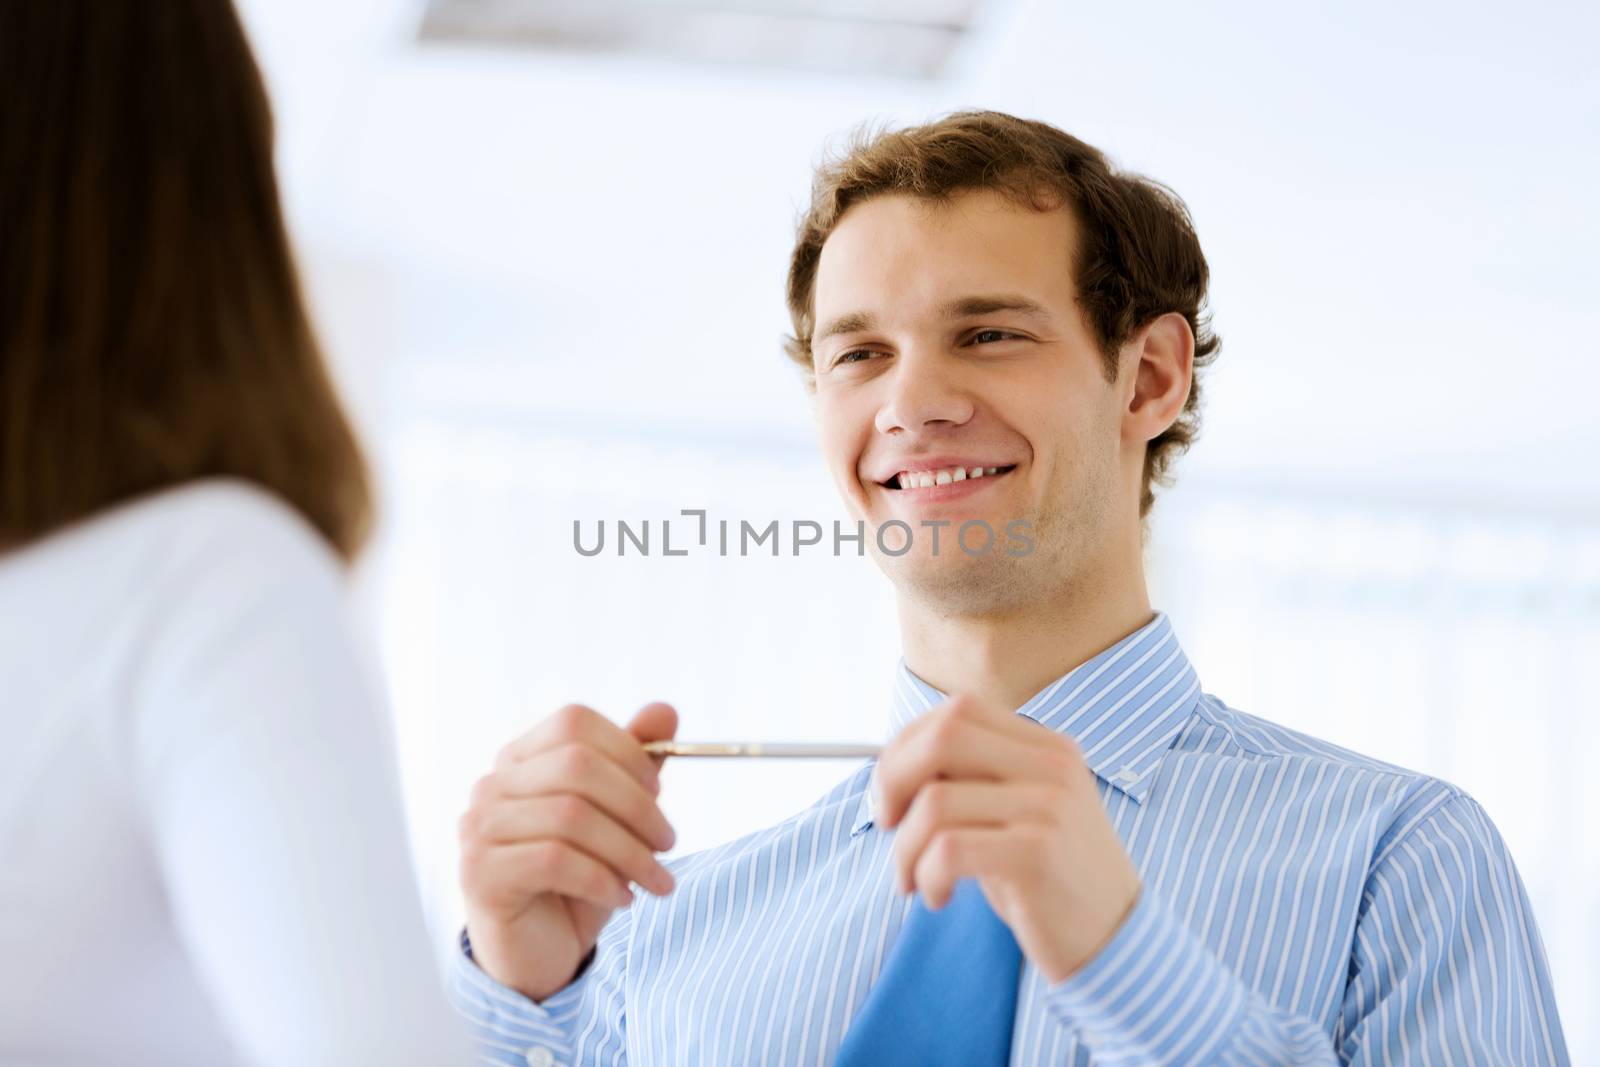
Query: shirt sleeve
[
  {"x": 1448, "y": 965},
  {"x": 1155, "y": 994},
  {"x": 1446, "y": 958},
  {"x": 583, "y": 1024},
  {"x": 263, "y": 759}
]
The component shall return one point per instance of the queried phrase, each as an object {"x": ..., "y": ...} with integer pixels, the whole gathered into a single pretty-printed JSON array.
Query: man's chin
[{"x": 955, "y": 581}]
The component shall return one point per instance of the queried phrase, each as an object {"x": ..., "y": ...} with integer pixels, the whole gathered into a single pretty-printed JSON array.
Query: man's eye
[
  {"x": 855, "y": 356},
  {"x": 988, "y": 336}
]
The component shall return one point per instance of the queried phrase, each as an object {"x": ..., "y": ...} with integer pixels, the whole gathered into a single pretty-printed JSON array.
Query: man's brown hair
[
  {"x": 152, "y": 328},
  {"x": 1138, "y": 256}
]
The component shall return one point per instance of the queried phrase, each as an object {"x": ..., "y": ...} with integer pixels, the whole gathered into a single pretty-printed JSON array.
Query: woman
[{"x": 202, "y": 853}]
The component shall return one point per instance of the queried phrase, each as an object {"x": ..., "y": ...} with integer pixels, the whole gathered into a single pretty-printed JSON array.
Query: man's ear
[{"x": 1163, "y": 365}]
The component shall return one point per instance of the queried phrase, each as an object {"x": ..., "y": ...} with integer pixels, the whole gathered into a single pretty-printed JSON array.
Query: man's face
[{"x": 948, "y": 336}]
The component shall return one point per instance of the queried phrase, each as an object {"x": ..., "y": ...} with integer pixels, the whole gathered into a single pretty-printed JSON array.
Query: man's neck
[{"x": 1005, "y": 659}]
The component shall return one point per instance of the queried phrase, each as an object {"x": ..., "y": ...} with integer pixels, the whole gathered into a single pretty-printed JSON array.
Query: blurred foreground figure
[{"x": 202, "y": 852}]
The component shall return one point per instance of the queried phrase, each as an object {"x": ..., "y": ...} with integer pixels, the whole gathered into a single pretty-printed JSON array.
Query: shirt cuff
[
  {"x": 1153, "y": 995},
  {"x": 506, "y": 1026}
]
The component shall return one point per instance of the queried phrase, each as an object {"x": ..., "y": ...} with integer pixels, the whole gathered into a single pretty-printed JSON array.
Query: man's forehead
[
  {"x": 957, "y": 214},
  {"x": 891, "y": 251}
]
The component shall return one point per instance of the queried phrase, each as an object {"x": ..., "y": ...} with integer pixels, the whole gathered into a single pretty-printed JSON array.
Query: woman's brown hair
[
  {"x": 152, "y": 328},
  {"x": 1138, "y": 257}
]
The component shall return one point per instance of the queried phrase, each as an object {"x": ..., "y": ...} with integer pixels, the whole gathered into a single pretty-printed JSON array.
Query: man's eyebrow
[
  {"x": 855, "y": 322},
  {"x": 968, "y": 306},
  {"x": 961, "y": 308}
]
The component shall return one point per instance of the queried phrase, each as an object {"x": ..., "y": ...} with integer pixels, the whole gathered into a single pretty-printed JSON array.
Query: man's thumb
[{"x": 656, "y": 721}]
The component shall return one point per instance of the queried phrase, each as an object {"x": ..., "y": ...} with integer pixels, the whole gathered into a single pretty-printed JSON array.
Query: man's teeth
[{"x": 943, "y": 476}]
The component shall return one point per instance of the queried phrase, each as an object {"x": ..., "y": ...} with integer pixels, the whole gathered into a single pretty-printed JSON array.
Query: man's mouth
[{"x": 927, "y": 479}]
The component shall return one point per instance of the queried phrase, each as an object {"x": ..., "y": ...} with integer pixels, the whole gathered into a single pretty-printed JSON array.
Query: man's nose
[{"x": 922, "y": 390}]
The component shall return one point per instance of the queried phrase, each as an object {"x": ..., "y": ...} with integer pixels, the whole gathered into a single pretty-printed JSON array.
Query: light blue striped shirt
[{"x": 1302, "y": 904}]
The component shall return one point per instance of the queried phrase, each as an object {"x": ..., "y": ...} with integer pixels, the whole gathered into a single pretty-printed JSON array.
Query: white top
[{"x": 202, "y": 850}]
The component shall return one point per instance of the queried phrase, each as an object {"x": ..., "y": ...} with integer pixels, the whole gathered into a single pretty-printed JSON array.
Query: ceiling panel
[{"x": 898, "y": 38}]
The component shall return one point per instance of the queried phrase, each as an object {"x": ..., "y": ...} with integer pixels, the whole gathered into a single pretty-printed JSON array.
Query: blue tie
[{"x": 947, "y": 995}]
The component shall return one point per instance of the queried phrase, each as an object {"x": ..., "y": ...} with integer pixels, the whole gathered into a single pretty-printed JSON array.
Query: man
[{"x": 994, "y": 326}]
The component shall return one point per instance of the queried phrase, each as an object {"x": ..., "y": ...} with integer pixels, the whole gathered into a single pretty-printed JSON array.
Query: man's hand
[
  {"x": 554, "y": 835},
  {"x": 979, "y": 793}
]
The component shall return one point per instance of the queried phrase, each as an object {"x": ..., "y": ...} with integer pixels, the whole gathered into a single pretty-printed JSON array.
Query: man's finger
[
  {"x": 523, "y": 871},
  {"x": 579, "y": 822},
  {"x": 655, "y": 721},
  {"x": 945, "y": 805},
  {"x": 581, "y": 724},
  {"x": 965, "y": 852},
  {"x": 575, "y": 768},
  {"x": 953, "y": 746},
  {"x": 973, "y": 710}
]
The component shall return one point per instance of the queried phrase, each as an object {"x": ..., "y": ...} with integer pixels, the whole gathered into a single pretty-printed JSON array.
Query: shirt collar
[{"x": 1124, "y": 707}]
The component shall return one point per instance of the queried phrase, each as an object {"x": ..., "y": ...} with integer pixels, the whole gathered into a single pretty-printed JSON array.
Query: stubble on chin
[
  {"x": 957, "y": 583},
  {"x": 978, "y": 586}
]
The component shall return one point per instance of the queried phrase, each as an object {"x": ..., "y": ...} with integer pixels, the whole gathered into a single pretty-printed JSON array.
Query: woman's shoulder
[
  {"x": 203, "y": 521},
  {"x": 185, "y": 548},
  {"x": 229, "y": 538},
  {"x": 221, "y": 509},
  {"x": 144, "y": 604},
  {"x": 237, "y": 613}
]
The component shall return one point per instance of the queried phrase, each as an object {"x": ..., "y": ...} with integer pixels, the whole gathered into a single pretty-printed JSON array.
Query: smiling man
[{"x": 1068, "y": 852}]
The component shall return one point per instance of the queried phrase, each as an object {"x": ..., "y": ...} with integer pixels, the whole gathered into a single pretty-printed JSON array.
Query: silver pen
[{"x": 762, "y": 749}]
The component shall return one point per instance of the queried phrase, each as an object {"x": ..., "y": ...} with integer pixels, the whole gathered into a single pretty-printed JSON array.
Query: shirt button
[{"x": 539, "y": 1057}]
